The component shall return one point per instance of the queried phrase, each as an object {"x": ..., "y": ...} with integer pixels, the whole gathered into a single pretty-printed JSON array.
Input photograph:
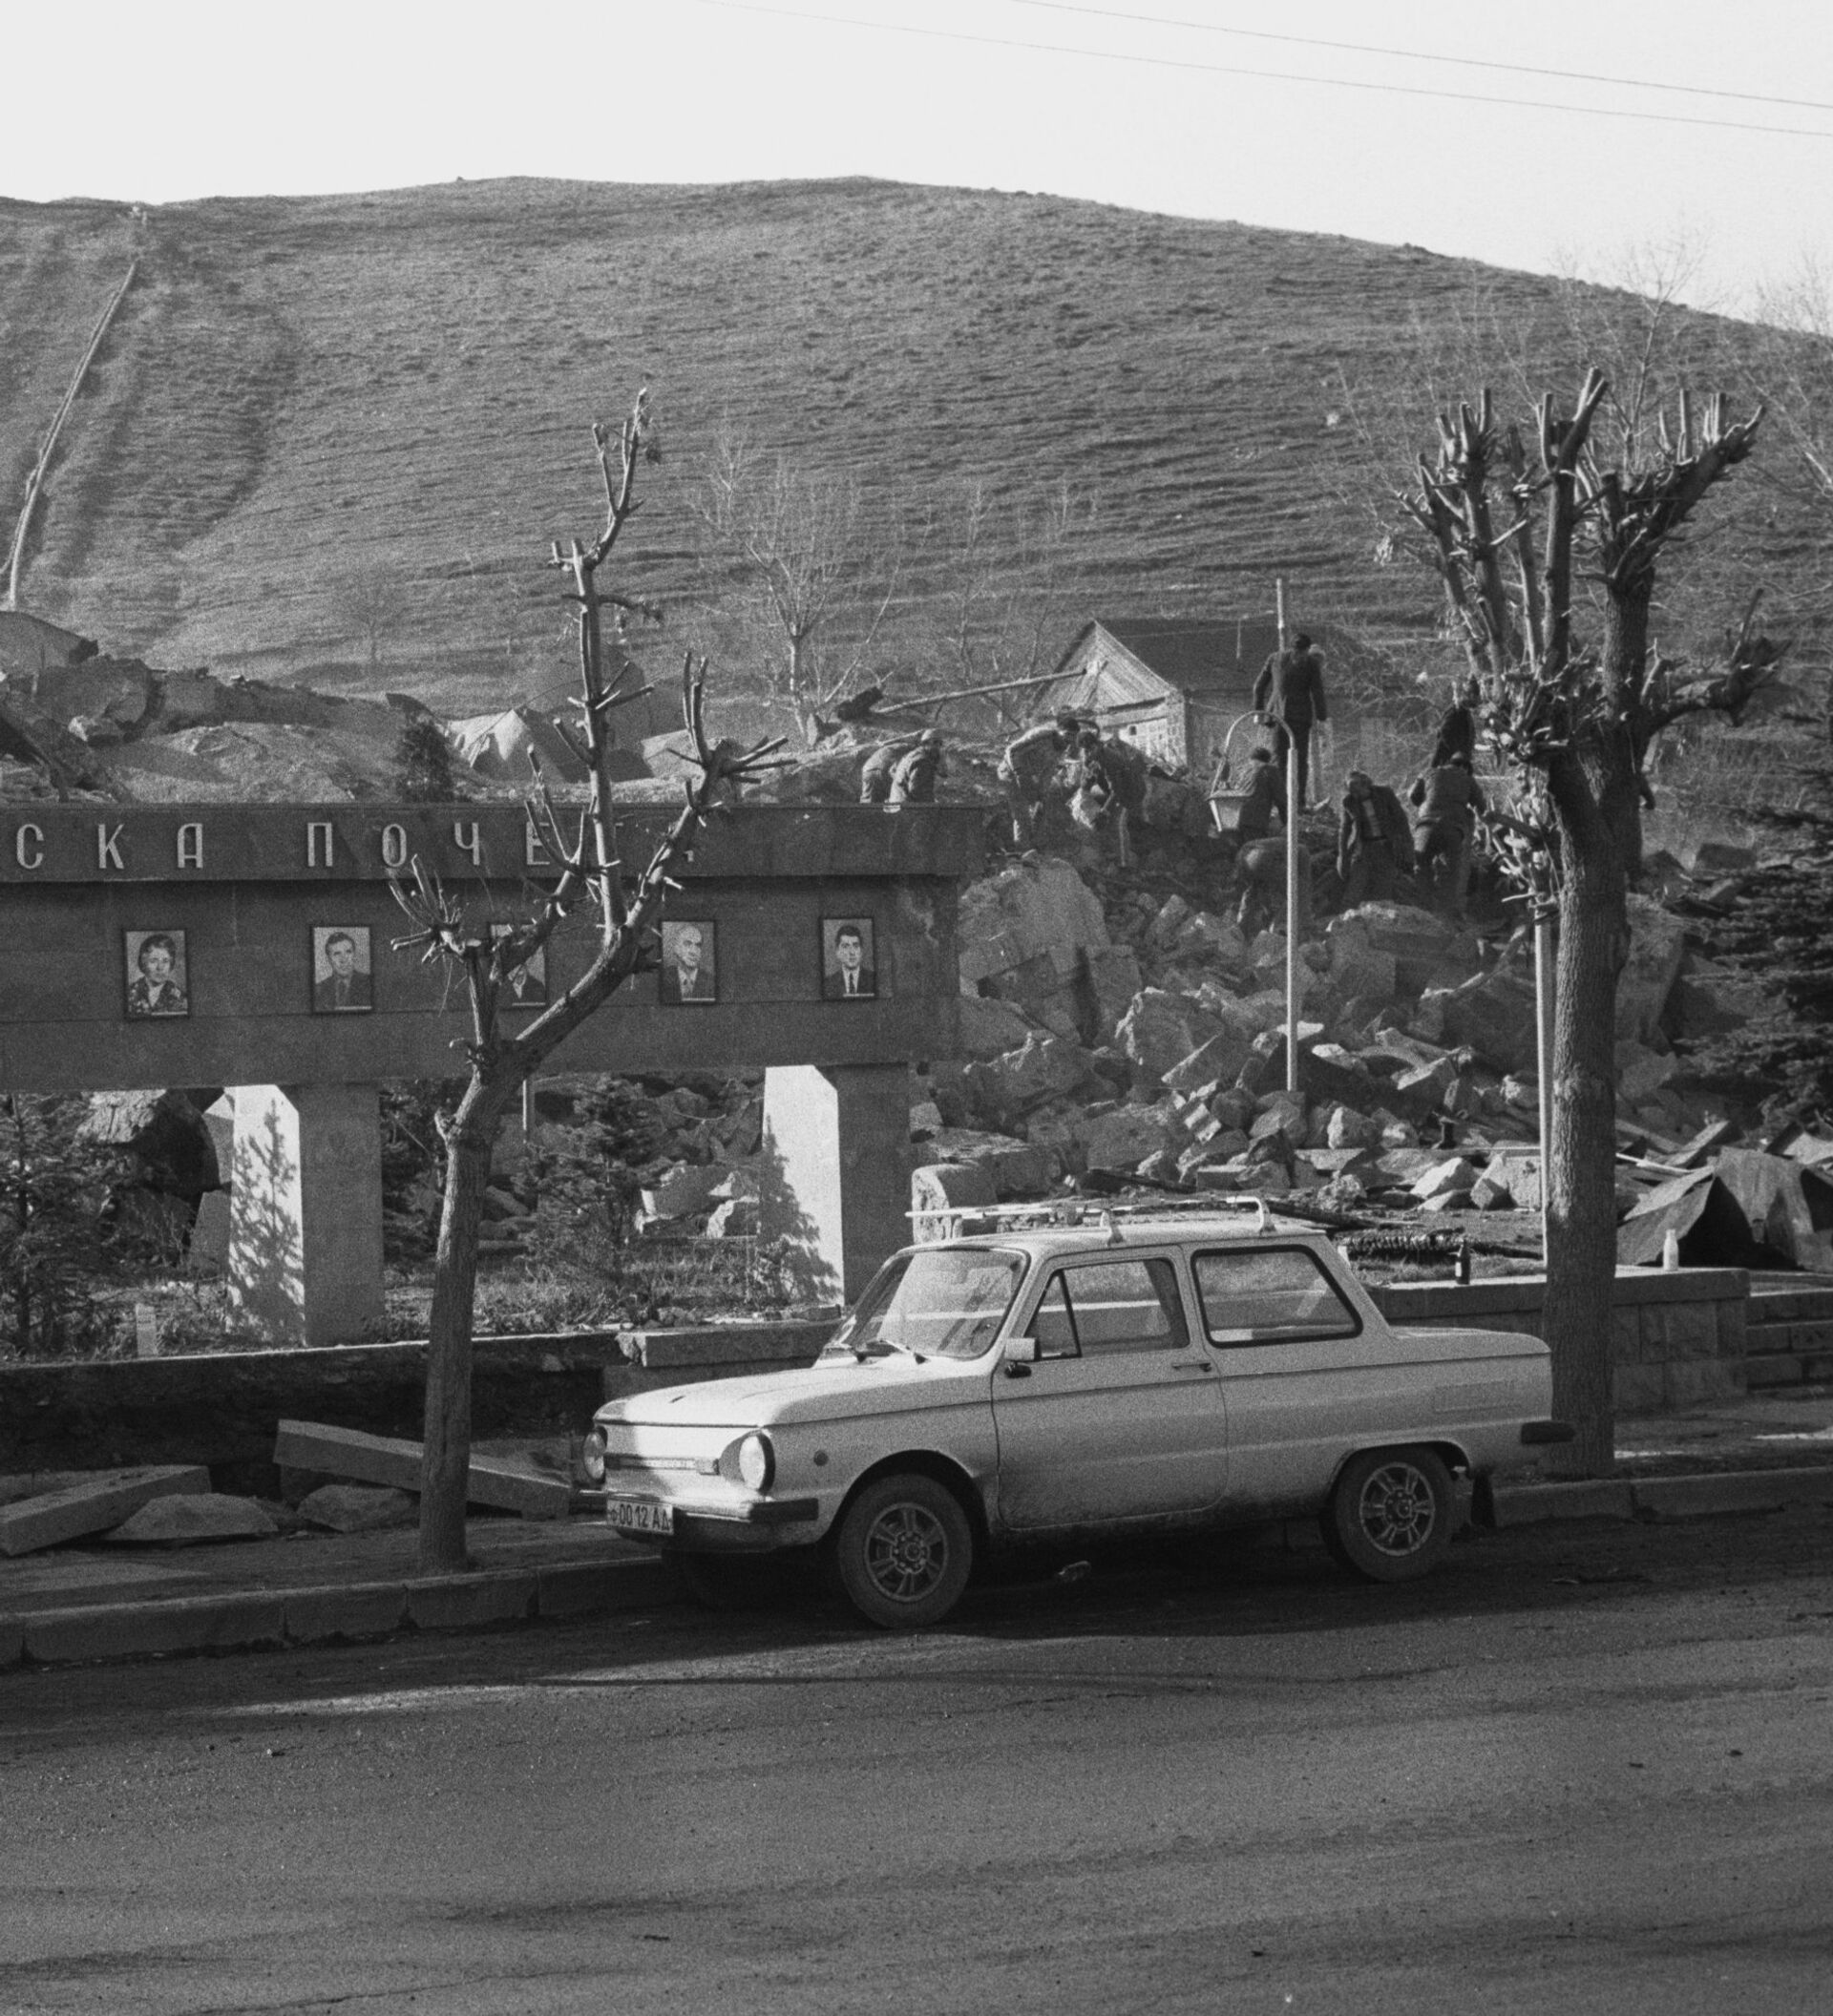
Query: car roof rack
[{"x": 1096, "y": 1214}]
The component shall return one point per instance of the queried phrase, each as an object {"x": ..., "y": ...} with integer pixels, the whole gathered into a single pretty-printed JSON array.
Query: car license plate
[{"x": 640, "y": 1515}]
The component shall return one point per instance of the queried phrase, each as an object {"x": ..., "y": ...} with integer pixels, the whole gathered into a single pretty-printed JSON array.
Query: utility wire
[
  {"x": 1422, "y": 55},
  {"x": 1277, "y": 76}
]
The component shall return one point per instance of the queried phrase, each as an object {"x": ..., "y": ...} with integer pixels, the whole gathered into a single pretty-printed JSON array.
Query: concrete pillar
[
  {"x": 834, "y": 1171},
  {"x": 306, "y": 1213}
]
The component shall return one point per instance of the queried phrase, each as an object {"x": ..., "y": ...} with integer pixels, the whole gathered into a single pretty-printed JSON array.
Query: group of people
[
  {"x": 904, "y": 771},
  {"x": 1067, "y": 768},
  {"x": 1387, "y": 845}
]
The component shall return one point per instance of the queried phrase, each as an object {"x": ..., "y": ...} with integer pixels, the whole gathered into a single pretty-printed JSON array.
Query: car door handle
[{"x": 1191, "y": 1365}]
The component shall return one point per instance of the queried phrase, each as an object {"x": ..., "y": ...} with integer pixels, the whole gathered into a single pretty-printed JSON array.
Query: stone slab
[
  {"x": 1531, "y": 1505},
  {"x": 386, "y": 1460},
  {"x": 454, "y": 1601},
  {"x": 142, "y": 1630},
  {"x": 363, "y": 1609},
  {"x": 1733, "y": 1491},
  {"x": 34, "y": 1523},
  {"x": 12, "y": 1641}
]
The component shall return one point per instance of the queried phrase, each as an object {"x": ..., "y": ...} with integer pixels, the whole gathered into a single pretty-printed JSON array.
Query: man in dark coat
[
  {"x": 1291, "y": 689},
  {"x": 1374, "y": 841},
  {"x": 1458, "y": 731},
  {"x": 1449, "y": 799}
]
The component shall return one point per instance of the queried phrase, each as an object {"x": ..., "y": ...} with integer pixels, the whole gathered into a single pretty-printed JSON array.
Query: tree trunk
[
  {"x": 1581, "y": 1171},
  {"x": 444, "y": 1461}
]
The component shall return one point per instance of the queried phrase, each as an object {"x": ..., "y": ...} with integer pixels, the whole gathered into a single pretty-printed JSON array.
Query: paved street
[{"x": 1585, "y": 1769}]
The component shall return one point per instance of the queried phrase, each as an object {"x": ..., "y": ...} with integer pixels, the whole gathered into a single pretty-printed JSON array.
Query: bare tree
[
  {"x": 589, "y": 870},
  {"x": 1508, "y": 523},
  {"x": 1007, "y": 584},
  {"x": 815, "y": 571},
  {"x": 369, "y": 602}
]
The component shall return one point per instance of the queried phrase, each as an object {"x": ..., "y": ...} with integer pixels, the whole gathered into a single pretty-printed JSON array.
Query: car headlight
[
  {"x": 756, "y": 1461},
  {"x": 592, "y": 1455}
]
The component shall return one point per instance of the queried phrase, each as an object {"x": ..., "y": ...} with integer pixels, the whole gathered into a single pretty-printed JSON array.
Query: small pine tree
[
  {"x": 52, "y": 1189},
  {"x": 423, "y": 764}
]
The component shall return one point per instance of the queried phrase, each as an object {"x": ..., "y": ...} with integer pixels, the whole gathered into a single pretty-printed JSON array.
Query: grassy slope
[{"x": 300, "y": 391}]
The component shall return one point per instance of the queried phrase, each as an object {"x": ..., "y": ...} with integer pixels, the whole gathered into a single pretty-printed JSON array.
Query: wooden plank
[
  {"x": 92, "y": 1508},
  {"x": 393, "y": 1460},
  {"x": 1692, "y": 1153}
]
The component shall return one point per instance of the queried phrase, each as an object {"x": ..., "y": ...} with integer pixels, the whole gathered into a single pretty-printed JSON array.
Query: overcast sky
[{"x": 1541, "y": 146}]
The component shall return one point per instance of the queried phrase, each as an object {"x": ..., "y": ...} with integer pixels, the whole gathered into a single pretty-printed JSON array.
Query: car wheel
[
  {"x": 903, "y": 1552},
  {"x": 1390, "y": 1515}
]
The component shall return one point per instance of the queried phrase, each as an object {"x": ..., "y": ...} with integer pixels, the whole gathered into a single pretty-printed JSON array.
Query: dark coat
[
  {"x": 324, "y": 1001},
  {"x": 1290, "y": 685}
]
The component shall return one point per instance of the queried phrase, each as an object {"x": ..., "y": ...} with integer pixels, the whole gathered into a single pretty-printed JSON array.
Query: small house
[{"x": 1175, "y": 686}]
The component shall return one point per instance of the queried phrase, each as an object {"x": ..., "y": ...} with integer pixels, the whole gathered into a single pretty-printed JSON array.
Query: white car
[{"x": 1042, "y": 1380}]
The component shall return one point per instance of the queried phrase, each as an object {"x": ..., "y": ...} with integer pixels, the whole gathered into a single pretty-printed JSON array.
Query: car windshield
[{"x": 939, "y": 1303}]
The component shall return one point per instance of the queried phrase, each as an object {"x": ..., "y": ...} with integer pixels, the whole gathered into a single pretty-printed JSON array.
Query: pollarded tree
[
  {"x": 1574, "y": 692},
  {"x": 589, "y": 871}
]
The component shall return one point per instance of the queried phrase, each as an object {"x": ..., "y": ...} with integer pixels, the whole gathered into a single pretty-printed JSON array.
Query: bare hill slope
[{"x": 309, "y": 402}]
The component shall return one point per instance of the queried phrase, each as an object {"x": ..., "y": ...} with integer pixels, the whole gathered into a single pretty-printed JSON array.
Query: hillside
[{"x": 310, "y": 404}]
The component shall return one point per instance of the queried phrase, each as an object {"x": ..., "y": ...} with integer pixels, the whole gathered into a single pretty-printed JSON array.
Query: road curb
[{"x": 249, "y": 1620}]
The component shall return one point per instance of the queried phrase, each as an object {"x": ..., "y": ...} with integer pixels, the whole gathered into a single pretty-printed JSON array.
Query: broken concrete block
[
  {"x": 190, "y": 1517},
  {"x": 1658, "y": 945},
  {"x": 91, "y": 1507},
  {"x": 1220, "y": 1058},
  {"x": 1122, "y": 1138},
  {"x": 358, "y": 1508},
  {"x": 1156, "y": 1031},
  {"x": 1443, "y": 1177},
  {"x": 1496, "y": 1016},
  {"x": 990, "y": 1027},
  {"x": 386, "y": 1460},
  {"x": 1351, "y": 1130},
  {"x": 1486, "y": 1194},
  {"x": 1114, "y": 979}
]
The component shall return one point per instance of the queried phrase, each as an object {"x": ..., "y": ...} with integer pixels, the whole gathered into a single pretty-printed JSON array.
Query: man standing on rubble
[
  {"x": 1374, "y": 841},
  {"x": 1290, "y": 689},
  {"x": 878, "y": 768}
]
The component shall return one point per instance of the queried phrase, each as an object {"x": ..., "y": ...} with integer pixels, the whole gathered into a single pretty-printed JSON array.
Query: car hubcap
[
  {"x": 1398, "y": 1510},
  {"x": 906, "y": 1552}
]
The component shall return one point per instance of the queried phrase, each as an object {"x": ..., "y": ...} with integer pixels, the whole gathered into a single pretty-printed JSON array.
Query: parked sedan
[{"x": 1042, "y": 1380}]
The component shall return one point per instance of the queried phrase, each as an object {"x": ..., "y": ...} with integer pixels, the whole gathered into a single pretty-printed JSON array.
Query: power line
[
  {"x": 1277, "y": 76},
  {"x": 1423, "y": 55}
]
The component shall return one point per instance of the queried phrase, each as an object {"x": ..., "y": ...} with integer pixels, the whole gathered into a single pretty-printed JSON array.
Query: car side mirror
[{"x": 1021, "y": 1351}]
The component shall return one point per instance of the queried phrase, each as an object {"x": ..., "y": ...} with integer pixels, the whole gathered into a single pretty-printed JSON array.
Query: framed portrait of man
[
  {"x": 343, "y": 977},
  {"x": 848, "y": 963},
  {"x": 527, "y": 986},
  {"x": 689, "y": 975},
  {"x": 158, "y": 980}
]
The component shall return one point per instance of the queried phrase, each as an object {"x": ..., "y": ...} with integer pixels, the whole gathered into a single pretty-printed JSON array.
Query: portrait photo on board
[
  {"x": 849, "y": 968},
  {"x": 159, "y": 982},
  {"x": 689, "y": 974},
  {"x": 342, "y": 979},
  {"x": 526, "y": 987}
]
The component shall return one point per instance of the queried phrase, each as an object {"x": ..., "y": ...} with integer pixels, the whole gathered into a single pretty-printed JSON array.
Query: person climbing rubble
[
  {"x": 1265, "y": 795},
  {"x": 1112, "y": 777},
  {"x": 1375, "y": 852},
  {"x": 1260, "y": 880},
  {"x": 918, "y": 773},
  {"x": 1028, "y": 771},
  {"x": 874, "y": 777},
  {"x": 1449, "y": 800},
  {"x": 1458, "y": 728}
]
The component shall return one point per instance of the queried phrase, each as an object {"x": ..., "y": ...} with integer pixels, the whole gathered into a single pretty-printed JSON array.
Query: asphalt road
[{"x": 1584, "y": 1769}]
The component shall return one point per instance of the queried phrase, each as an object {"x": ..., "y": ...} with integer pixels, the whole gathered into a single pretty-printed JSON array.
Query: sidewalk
[{"x": 95, "y": 1601}]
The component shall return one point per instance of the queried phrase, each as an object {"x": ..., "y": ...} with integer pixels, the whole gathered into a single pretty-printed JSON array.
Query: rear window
[{"x": 1269, "y": 1296}]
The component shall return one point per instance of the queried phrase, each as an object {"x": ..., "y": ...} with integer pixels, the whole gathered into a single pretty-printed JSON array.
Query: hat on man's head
[
  {"x": 1301, "y": 642},
  {"x": 932, "y": 738}
]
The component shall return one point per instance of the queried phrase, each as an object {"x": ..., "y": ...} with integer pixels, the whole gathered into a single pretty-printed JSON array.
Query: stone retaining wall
[{"x": 1676, "y": 1338}]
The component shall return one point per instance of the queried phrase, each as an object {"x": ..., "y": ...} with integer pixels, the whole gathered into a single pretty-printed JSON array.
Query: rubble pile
[{"x": 1147, "y": 1041}]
